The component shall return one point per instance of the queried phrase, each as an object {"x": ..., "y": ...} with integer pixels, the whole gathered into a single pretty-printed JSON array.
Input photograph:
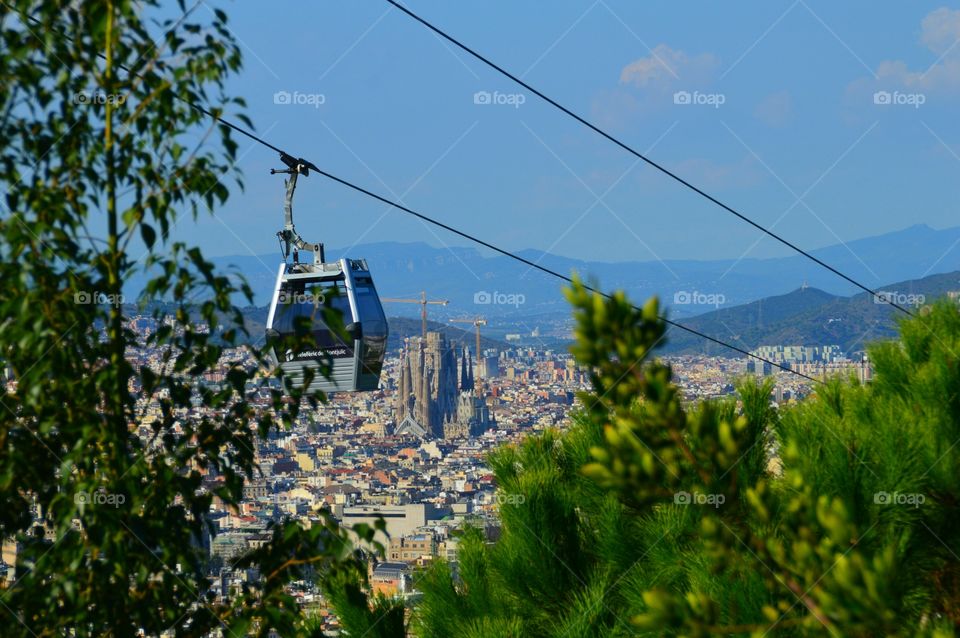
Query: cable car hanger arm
[{"x": 289, "y": 236}]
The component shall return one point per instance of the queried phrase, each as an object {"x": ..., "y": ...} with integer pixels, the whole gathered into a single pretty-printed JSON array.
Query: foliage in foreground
[
  {"x": 648, "y": 516},
  {"x": 837, "y": 516},
  {"x": 100, "y": 157}
]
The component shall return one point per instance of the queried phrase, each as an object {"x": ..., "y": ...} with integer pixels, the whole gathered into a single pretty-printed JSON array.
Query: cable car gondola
[{"x": 303, "y": 290}]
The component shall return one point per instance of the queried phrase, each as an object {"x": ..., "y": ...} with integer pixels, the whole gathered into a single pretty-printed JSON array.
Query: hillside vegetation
[
  {"x": 808, "y": 316},
  {"x": 836, "y": 517}
]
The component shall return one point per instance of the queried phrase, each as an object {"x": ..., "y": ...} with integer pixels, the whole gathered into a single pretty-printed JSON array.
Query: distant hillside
[
  {"x": 808, "y": 316},
  {"x": 478, "y": 282},
  {"x": 400, "y": 328}
]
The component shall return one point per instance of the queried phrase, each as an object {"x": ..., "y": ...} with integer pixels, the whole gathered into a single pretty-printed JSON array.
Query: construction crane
[
  {"x": 423, "y": 301},
  {"x": 477, "y": 322}
]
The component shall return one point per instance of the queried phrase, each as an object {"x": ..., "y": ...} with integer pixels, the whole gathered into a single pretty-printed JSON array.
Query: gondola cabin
[{"x": 356, "y": 361}]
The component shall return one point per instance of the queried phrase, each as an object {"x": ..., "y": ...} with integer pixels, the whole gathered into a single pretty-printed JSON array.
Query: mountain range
[
  {"x": 255, "y": 319},
  {"x": 809, "y": 316},
  {"x": 804, "y": 316},
  {"x": 492, "y": 285}
]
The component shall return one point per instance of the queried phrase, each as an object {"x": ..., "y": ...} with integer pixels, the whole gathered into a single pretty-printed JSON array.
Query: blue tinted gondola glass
[
  {"x": 374, "y": 329},
  {"x": 355, "y": 362},
  {"x": 306, "y": 303}
]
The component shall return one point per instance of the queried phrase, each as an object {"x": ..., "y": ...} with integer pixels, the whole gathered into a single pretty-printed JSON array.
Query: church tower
[{"x": 431, "y": 393}]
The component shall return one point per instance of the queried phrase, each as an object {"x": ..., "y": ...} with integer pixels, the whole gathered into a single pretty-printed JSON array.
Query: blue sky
[{"x": 787, "y": 128}]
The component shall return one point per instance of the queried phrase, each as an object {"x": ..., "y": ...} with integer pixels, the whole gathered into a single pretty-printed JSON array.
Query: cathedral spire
[
  {"x": 430, "y": 386},
  {"x": 403, "y": 393},
  {"x": 470, "y": 370},
  {"x": 466, "y": 373}
]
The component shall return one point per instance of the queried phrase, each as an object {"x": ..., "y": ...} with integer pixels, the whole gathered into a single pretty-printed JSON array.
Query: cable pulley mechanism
[{"x": 334, "y": 362}]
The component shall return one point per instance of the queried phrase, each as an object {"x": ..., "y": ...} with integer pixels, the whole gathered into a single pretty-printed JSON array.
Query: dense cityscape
[
  {"x": 653, "y": 338},
  {"x": 413, "y": 452}
]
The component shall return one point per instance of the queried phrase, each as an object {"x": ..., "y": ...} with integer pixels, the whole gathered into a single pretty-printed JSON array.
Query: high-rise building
[{"x": 491, "y": 367}]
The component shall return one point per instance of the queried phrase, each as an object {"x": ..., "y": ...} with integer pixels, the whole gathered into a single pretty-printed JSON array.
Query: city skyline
[{"x": 480, "y": 360}]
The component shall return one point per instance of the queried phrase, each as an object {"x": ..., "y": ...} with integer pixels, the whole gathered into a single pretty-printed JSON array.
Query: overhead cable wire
[
  {"x": 660, "y": 167},
  {"x": 426, "y": 218}
]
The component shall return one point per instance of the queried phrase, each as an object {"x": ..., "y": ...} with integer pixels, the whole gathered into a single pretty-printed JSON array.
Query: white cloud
[
  {"x": 647, "y": 85},
  {"x": 775, "y": 110},
  {"x": 665, "y": 67},
  {"x": 943, "y": 76},
  {"x": 940, "y": 33},
  {"x": 940, "y": 30}
]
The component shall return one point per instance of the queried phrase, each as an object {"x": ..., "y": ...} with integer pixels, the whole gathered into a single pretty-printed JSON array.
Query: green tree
[
  {"x": 101, "y": 155},
  {"x": 579, "y": 546},
  {"x": 834, "y": 517}
]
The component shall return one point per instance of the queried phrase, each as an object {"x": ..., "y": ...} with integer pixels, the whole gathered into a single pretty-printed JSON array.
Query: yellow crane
[{"x": 423, "y": 301}]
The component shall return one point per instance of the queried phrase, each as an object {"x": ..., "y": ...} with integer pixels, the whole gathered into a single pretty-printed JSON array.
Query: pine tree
[{"x": 834, "y": 517}]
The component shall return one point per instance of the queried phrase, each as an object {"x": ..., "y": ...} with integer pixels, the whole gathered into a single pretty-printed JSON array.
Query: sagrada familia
[{"x": 431, "y": 401}]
